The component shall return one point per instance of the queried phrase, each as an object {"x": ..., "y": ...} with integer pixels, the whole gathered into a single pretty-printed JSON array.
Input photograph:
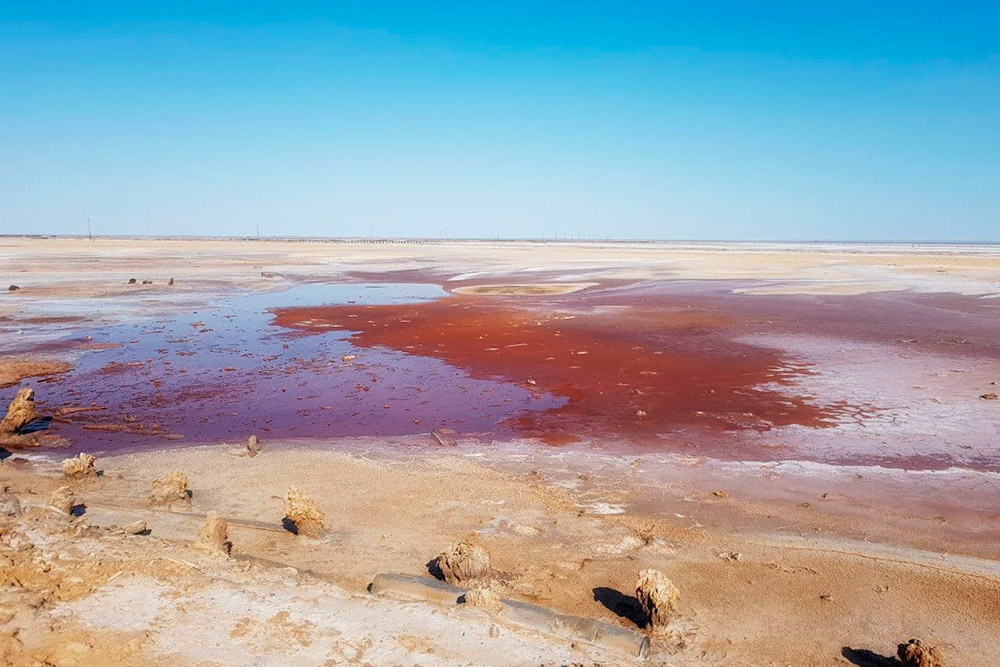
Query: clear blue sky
[{"x": 794, "y": 120}]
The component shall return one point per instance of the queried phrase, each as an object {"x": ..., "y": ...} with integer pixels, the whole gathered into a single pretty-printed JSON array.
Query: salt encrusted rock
[
  {"x": 135, "y": 528},
  {"x": 214, "y": 536},
  {"x": 20, "y": 412},
  {"x": 483, "y": 597},
  {"x": 658, "y": 597},
  {"x": 464, "y": 562},
  {"x": 9, "y": 505},
  {"x": 63, "y": 499},
  {"x": 253, "y": 445},
  {"x": 170, "y": 488},
  {"x": 79, "y": 466},
  {"x": 304, "y": 514}
]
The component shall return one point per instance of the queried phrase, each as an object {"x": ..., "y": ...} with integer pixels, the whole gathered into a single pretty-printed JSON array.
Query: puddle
[{"x": 223, "y": 372}]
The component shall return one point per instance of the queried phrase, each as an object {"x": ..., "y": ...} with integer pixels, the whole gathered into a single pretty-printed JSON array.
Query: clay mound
[
  {"x": 63, "y": 499},
  {"x": 658, "y": 597},
  {"x": 483, "y": 597},
  {"x": 170, "y": 488},
  {"x": 464, "y": 562},
  {"x": 253, "y": 445},
  {"x": 304, "y": 514},
  {"x": 21, "y": 412},
  {"x": 214, "y": 536},
  {"x": 79, "y": 466},
  {"x": 915, "y": 654}
]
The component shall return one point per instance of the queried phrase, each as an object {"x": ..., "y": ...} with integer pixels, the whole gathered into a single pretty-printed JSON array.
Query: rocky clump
[
  {"x": 132, "y": 281},
  {"x": 214, "y": 536},
  {"x": 990, "y": 396},
  {"x": 915, "y": 654},
  {"x": 170, "y": 488},
  {"x": 79, "y": 466},
  {"x": 483, "y": 597},
  {"x": 464, "y": 562},
  {"x": 13, "y": 288},
  {"x": 9, "y": 504},
  {"x": 253, "y": 446},
  {"x": 658, "y": 597},
  {"x": 63, "y": 499},
  {"x": 304, "y": 514},
  {"x": 135, "y": 528},
  {"x": 20, "y": 412}
]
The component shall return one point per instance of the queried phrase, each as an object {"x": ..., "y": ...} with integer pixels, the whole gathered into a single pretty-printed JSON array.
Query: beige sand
[{"x": 775, "y": 604}]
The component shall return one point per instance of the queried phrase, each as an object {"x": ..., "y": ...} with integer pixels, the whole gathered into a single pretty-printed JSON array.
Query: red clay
[{"x": 635, "y": 371}]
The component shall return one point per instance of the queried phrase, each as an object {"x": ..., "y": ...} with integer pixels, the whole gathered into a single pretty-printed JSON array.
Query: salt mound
[
  {"x": 304, "y": 513},
  {"x": 79, "y": 466},
  {"x": 658, "y": 597},
  {"x": 464, "y": 562},
  {"x": 170, "y": 488}
]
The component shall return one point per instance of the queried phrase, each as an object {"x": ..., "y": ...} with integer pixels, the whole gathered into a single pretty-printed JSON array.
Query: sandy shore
[
  {"x": 393, "y": 513},
  {"x": 796, "y": 435}
]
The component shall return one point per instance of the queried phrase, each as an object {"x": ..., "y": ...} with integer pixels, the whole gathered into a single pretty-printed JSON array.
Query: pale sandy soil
[
  {"x": 783, "y": 602},
  {"x": 834, "y": 560}
]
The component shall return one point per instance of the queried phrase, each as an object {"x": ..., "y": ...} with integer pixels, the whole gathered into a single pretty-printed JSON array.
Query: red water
[{"x": 623, "y": 371}]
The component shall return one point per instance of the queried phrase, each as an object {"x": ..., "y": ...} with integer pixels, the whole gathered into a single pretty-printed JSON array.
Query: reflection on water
[{"x": 226, "y": 371}]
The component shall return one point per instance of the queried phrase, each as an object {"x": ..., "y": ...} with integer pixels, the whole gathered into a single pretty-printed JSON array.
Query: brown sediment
[
  {"x": 633, "y": 369},
  {"x": 15, "y": 369}
]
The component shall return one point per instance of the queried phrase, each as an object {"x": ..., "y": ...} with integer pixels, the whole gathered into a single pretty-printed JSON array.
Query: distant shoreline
[{"x": 770, "y": 243}]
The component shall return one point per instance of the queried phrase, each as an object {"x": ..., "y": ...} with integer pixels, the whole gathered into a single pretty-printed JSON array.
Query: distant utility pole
[
  {"x": 258, "y": 231},
  {"x": 90, "y": 234}
]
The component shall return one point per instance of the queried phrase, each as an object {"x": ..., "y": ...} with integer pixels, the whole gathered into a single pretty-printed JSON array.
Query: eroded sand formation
[
  {"x": 63, "y": 499},
  {"x": 658, "y": 597},
  {"x": 214, "y": 536},
  {"x": 915, "y": 654},
  {"x": 79, "y": 466},
  {"x": 304, "y": 514},
  {"x": 21, "y": 412},
  {"x": 462, "y": 563},
  {"x": 170, "y": 488}
]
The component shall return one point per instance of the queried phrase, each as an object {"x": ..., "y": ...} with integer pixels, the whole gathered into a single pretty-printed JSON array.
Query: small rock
[
  {"x": 170, "y": 488},
  {"x": 135, "y": 528},
  {"x": 214, "y": 536},
  {"x": 720, "y": 494},
  {"x": 9, "y": 505},
  {"x": 13, "y": 288},
  {"x": 349, "y": 357},
  {"x": 132, "y": 281},
  {"x": 20, "y": 412},
  {"x": 63, "y": 499},
  {"x": 171, "y": 282},
  {"x": 253, "y": 445},
  {"x": 658, "y": 597},
  {"x": 483, "y": 597},
  {"x": 915, "y": 654},
  {"x": 463, "y": 562},
  {"x": 304, "y": 513},
  {"x": 147, "y": 282},
  {"x": 79, "y": 466},
  {"x": 990, "y": 396}
]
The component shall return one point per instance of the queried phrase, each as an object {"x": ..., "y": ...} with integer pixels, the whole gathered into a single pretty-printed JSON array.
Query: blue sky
[{"x": 724, "y": 120}]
